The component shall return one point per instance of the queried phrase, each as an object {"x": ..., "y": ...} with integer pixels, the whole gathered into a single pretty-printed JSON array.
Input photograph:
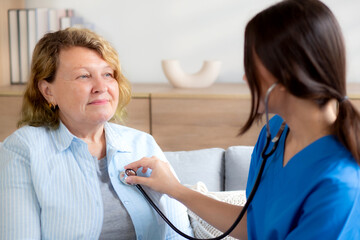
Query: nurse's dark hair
[
  {"x": 36, "y": 111},
  {"x": 300, "y": 43}
]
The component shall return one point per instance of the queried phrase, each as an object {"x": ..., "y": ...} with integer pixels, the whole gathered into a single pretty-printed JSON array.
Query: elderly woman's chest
[{"x": 68, "y": 193}]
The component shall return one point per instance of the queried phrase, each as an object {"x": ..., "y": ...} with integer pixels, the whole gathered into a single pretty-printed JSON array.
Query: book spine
[
  {"x": 65, "y": 22},
  {"x": 23, "y": 45},
  {"x": 31, "y": 33},
  {"x": 14, "y": 46},
  {"x": 53, "y": 20},
  {"x": 42, "y": 23}
]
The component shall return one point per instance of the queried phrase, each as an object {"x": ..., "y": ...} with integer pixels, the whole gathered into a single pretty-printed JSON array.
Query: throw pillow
[{"x": 201, "y": 228}]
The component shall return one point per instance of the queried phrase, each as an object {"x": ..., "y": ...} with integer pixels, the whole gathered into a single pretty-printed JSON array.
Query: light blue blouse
[
  {"x": 49, "y": 186},
  {"x": 315, "y": 196}
]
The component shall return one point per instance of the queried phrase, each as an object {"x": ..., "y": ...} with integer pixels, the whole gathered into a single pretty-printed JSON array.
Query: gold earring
[{"x": 52, "y": 106}]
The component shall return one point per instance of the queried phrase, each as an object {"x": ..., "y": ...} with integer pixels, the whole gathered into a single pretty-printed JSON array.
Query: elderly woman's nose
[{"x": 99, "y": 84}]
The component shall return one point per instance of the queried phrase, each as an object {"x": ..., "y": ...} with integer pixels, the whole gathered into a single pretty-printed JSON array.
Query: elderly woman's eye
[
  {"x": 109, "y": 75},
  {"x": 84, "y": 76}
]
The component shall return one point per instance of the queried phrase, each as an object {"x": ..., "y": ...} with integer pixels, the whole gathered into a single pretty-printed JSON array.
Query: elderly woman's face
[{"x": 84, "y": 89}]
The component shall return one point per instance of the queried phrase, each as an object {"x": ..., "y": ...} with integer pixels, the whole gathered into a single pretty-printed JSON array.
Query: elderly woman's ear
[{"x": 45, "y": 89}]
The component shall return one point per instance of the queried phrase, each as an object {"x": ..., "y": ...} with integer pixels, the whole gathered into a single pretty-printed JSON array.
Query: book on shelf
[
  {"x": 23, "y": 45},
  {"x": 54, "y": 17},
  {"x": 26, "y": 27},
  {"x": 14, "y": 46},
  {"x": 32, "y": 37},
  {"x": 71, "y": 22},
  {"x": 42, "y": 22},
  {"x": 74, "y": 21},
  {"x": 69, "y": 12}
]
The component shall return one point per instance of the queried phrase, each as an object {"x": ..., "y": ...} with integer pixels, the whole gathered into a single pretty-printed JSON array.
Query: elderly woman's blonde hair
[{"x": 45, "y": 61}]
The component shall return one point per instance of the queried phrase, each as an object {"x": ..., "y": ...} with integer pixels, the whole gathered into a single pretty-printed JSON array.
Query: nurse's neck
[{"x": 307, "y": 123}]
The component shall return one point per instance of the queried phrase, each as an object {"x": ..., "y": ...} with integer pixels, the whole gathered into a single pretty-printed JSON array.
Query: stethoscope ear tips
[{"x": 124, "y": 174}]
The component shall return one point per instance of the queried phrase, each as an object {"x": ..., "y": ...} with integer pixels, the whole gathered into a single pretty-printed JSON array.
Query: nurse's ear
[
  {"x": 46, "y": 90},
  {"x": 245, "y": 78}
]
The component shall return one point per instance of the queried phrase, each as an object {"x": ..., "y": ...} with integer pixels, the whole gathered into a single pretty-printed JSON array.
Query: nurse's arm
[{"x": 219, "y": 214}]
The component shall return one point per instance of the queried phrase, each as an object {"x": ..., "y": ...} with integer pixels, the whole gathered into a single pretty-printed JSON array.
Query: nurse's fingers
[
  {"x": 133, "y": 180},
  {"x": 161, "y": 178},
  {"x": 144, "y": 162}
]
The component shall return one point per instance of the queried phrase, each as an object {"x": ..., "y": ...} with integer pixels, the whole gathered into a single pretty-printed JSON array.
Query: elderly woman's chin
[
  {"x": 103, "y": 117},
  {"x": 100, "y": 116}
]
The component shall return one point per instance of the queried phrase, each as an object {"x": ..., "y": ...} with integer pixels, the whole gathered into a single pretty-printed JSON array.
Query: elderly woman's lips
[{"x": 99, "y": 102}]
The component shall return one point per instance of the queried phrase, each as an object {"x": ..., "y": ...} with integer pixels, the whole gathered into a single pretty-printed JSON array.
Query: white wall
[{"x": 146, "y": 31}]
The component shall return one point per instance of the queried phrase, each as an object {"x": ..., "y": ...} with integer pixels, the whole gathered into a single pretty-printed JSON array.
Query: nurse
[{"x": 310, "y": 188}]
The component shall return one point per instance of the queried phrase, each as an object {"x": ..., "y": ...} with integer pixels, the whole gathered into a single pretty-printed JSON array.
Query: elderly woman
[{"x": 59, "y": 173}]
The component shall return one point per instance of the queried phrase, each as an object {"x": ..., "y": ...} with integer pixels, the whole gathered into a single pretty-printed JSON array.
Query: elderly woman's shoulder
[{"x": 28, "y": 135}]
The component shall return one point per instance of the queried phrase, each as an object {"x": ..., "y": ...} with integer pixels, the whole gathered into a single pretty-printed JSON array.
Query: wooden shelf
[
  {"x": 161, "y": 90},
  {"x": 164, "y": 90},
  {"x": 179, "y": 119},
  {"x": 218, "y": 90},
  {"x": 13, "y": 90}
]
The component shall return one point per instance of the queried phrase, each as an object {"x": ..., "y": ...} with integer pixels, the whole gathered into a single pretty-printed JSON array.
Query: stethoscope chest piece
[{"x": 124, "y": 174}]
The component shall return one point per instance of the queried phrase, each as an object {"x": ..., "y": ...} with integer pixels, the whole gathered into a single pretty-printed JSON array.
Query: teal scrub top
[{"x": 315, "y": 196}]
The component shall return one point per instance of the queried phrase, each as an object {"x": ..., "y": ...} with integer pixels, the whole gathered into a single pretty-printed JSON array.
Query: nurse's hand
[{"x": 161, "y": 179}]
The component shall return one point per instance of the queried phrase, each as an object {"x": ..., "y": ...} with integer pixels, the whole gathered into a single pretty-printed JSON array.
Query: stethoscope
[{"x": 130, "y": 172}]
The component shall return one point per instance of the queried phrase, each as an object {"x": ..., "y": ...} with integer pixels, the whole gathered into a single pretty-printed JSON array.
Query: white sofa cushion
[
  {"x": 206, "y": 165},
  {"x": 237, "y": 162}
]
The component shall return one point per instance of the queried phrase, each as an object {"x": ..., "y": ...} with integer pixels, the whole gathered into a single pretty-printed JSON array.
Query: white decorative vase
[{"x": 178, "y": 78}]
